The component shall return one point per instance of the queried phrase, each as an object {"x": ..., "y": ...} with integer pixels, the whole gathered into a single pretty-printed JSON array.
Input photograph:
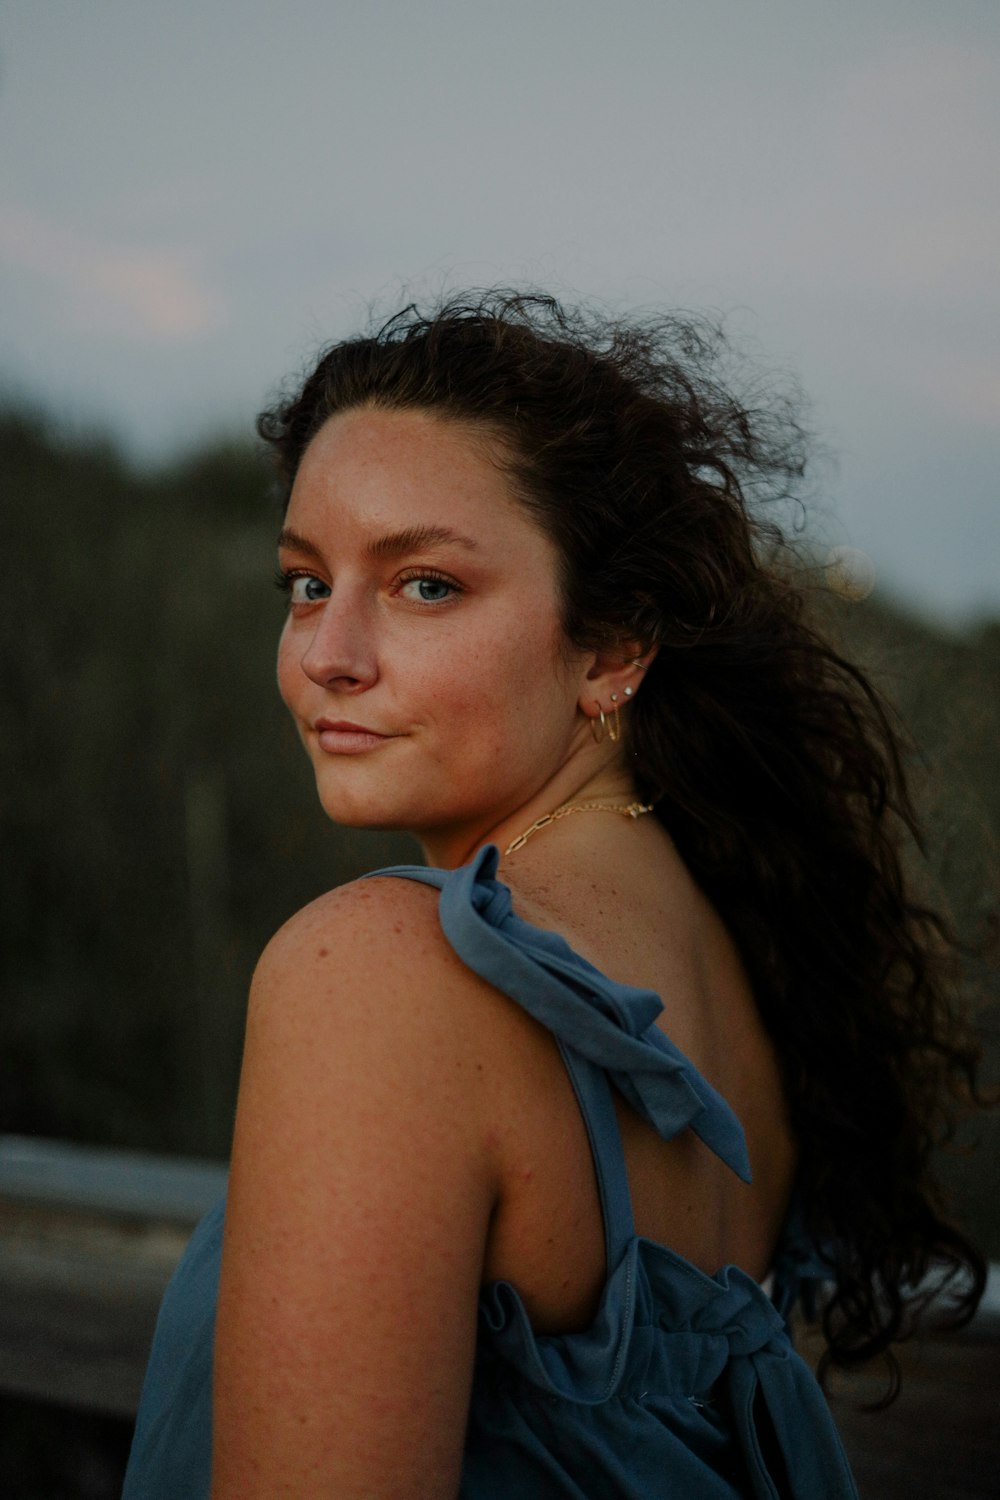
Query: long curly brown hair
[{"x": 773, "y": 761}]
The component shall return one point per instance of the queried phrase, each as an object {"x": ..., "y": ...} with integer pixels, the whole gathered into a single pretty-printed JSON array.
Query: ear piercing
[
  {"x": 610, "y": 724},
  {"x": 599, "y": 719}
]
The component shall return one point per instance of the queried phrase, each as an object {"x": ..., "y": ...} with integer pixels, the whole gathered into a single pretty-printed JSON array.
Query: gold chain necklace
[{"x": 627, "y": 810}]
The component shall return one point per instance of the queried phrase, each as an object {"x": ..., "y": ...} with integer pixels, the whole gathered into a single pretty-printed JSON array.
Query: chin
[
  {"x": 354, "y": 810},
  {"x": 347, "y": 813},
  {"x": 373, "y": 824}
]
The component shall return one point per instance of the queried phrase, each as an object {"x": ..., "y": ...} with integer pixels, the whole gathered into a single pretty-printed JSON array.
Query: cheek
[
  {"x": 288, "y": 671},
  {"x": 512, "y": 692}
]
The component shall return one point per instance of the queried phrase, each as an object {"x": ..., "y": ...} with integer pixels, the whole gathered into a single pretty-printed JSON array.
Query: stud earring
[{"x": 628, "y": 692}]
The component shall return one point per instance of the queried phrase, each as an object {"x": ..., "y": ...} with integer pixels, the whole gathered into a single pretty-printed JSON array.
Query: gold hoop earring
[{"x": 598, "y": 737}]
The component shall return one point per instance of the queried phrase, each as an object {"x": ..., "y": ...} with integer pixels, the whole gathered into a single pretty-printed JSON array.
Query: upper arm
[{"x": 360, "y": 1196}]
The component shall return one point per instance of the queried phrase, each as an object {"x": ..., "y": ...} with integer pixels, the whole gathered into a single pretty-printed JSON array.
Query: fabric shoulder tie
[{"x": 611, "y": 1024}]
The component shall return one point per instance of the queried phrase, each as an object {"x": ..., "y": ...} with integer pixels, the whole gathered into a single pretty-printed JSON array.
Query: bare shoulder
[
  {"x": 362, "y": 1186},
  {"x": 357, "y": 1002},
  {"x": 367, "y": 967},
  {"x": 371, "y": 932},
  {"x": 385, "y": 914}
]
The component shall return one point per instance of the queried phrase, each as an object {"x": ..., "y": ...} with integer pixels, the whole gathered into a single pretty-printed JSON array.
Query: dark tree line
[{"x": 158, "y": 819}]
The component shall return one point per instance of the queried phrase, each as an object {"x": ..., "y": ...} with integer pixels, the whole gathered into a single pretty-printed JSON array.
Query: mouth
[{"x": 341, "y": 737}]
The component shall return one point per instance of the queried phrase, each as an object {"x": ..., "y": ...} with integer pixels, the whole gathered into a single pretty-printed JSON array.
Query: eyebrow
[{"x": 393, "y": 544}]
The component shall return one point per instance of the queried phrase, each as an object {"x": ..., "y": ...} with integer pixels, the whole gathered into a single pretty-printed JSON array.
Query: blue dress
[{"x": 684, "y": 1387}]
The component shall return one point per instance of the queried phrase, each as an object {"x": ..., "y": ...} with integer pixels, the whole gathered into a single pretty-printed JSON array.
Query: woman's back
[
  {"x": 622, "y": 900},
  {"x": 608, "y": 1364}
]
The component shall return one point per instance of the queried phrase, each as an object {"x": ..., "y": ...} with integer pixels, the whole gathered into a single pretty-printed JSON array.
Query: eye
[
  {"x": 302, "y": 588},
  {"x": 428, "y": 588}
]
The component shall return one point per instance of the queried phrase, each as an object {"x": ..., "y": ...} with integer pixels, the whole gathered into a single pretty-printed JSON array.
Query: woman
[{"x": 536, "y": 1147}]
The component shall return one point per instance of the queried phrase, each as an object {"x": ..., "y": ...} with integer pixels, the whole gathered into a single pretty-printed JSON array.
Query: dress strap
[{"x": 594, "y": 1096}]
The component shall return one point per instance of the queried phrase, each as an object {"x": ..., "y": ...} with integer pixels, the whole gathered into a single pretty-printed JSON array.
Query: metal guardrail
[
  {"x": 88, "y": 1241},
  {"x": 121, "y": 1184}
]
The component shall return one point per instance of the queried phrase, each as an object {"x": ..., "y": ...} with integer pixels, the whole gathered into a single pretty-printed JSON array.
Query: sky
[{"x": 197, "y": 195}]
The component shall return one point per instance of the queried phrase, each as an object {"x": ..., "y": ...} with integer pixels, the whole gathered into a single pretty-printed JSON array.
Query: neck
[{"x": 449, "y": 848}]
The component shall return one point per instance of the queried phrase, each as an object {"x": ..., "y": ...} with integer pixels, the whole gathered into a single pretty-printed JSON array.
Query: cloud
[{"x": 146, "y": 293}]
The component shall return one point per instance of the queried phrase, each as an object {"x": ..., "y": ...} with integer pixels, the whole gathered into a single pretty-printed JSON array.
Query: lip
[{"x": 341, "y": 737}]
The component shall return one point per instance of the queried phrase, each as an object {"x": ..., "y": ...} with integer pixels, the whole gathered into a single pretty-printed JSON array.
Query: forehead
[{"x": 368, "y": 472}]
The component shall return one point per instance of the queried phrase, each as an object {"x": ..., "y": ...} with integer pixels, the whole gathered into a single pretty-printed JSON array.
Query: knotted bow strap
[
  {"x": 769, "y": 1383},
  {"x": 775, "y": 1379},
  {"x": 610, "y": 1024}
]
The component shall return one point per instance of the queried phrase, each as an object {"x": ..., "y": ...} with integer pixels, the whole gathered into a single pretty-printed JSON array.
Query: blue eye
[
  {"x": 427, "y": 588},
  {"x": 304, "y": 588}
]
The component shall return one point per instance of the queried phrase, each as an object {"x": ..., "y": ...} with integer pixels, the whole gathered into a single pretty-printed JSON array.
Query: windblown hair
[{"x": 773, "y": 762}]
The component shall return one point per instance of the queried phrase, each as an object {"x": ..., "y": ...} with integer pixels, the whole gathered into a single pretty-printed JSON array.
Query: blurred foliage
[
  {"x": 158, "y": 818},
  {"x": 944, "y": 686}
]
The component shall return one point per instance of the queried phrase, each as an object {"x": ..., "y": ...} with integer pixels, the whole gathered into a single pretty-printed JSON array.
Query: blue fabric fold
[{"x": 612, "y": 1025}]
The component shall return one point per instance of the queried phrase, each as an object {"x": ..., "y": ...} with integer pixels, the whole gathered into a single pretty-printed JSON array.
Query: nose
[{"x": 340, "y": 651}]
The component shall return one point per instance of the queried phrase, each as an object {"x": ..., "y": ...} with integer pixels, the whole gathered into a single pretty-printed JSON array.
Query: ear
[{"x": 614, "y": 677}]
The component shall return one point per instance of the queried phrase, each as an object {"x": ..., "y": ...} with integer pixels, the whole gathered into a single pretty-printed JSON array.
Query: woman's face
[{"x": 422, "y": 658}]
